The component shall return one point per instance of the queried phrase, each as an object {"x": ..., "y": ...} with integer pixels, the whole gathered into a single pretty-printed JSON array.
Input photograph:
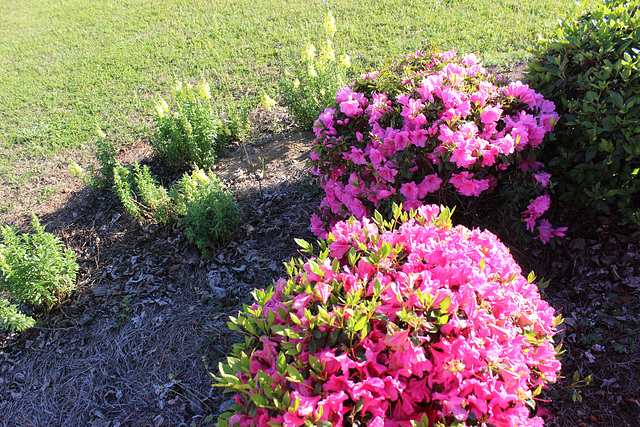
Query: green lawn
[{"x": 66, "y": 65}]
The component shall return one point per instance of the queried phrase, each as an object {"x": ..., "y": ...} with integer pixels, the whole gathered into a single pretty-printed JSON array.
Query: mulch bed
[{"x": 131, "y": 347}]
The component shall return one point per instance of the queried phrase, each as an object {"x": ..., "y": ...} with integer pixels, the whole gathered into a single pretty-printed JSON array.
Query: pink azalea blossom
[
  {"x": 429, "y": 184},
  {"x": 478, "y": 361},
  {"x": 434, "y": 123},
  {"x": 467, "y": 186},
  {"x": 543, "y": 178},
  {"x": 491, "y": 114},
  {"x": 538, "y": 206}
]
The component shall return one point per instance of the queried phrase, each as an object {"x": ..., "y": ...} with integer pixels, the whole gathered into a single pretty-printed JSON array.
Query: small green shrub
[
  {"x": 34, "y": 269},
  {"x": 310, "y": 87},
  {"x": 192, "y": 133},
  {"x": 590, "y": 68},
  {"x": 101, "y": 177},
  {"x": 235, "y": 124},
  {"x": 140, "y": 194},
  {"x": 11, "y": 318},
  {"x": 198, "y": 202},
  {"x": 208, "y": 212}
]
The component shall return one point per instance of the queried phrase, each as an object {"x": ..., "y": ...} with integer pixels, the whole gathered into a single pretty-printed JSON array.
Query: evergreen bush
[{"x": 590, "y": 67}]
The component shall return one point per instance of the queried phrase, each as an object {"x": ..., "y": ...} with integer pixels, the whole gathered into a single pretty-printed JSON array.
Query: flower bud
[{"x": 330, "y": 24}]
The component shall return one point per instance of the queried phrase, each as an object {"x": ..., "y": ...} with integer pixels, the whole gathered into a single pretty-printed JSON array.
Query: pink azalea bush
[
  {"x": 407, "y": 322},
  {"x": 434, "y": 127}
]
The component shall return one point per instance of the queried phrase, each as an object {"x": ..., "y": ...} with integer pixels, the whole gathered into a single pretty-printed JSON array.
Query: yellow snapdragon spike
[
  {"x": 200, "y": 175},
  {"x": 330, "y": 24},
  {"x": 296, "y": 83},
  {"x": 177, "y": 88},
  {"x": 159, "y": 110},
  {"x": 345, "y": 61},
  {"x": 190, "y": 93},
  {"x": 312, "y": 71},
  {"x": 162, "y": 108},
  {"x": 164, "y": 105},
  {"x": 100, "y": 132},
  {"x": 204, "y": 91},
  {"x": 327, "y": 51},
  {"x": 75, "y": 169},
  {"x": 267, "y": 102},
  {"x": 309, "y": 53}
]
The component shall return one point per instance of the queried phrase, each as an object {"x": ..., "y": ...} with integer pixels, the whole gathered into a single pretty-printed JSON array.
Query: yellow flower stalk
[
  {"x": 164, "y": 105},
  {"x": 267, "y": 102},
  {"x": 345, "y": 61},
  {"x": 330, "y": 24},
  {"x": 177, "y": 88},
  {"x": 190, "y": 93},
  {"x": 159, "y": 111},
  {"x": 75, "y": 169},
  {"x": 312, "y": 71},
  {"x": 100, "y": 132},
  {"x": 327, "y": 51},
  {"x": 309, "y": 53},
  {"x": 162, "y": 108},
  {"x": 200, "y": 176},
  {"x": 204, "y": 91}
]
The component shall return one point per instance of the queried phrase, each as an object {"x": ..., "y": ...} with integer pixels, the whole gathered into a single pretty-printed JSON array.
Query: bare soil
[{"x": 133, "y": 344}]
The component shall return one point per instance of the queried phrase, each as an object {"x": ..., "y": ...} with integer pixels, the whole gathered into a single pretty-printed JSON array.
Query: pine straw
[
  {"x": 133, "y": 344},
  {"x": 118, "y": 374}
]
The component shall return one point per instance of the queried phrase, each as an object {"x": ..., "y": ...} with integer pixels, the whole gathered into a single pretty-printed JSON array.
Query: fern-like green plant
[
  {"x": 102, "y": 176},
  {"x": 12, "y": 319},
  {"x": 191, "y": 133},
  {"x": 209, "y": 213},
  {"x": 149, "y": 191},
  {"x": 122, "y": 186},
  {"x": 36, "y": 268},
  {"x": 141, "y": 195}
]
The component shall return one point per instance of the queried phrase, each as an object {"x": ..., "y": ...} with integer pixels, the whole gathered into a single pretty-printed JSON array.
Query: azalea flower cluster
[
  {"x": 433, "y": 126},
  {"x": 399, "y": 324}
]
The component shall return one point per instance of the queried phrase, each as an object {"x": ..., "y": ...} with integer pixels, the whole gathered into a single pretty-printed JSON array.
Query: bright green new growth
[
  {"x": 140, "y": 193},
  {"x": 198, "y": 202},
  {"x": 208, "y": 212},
  {"x": 102, "y": 176},
  {"x": 311, "y": 87},
  {"x": 11, "y": 318},
  {"x": 590, "y": 68},
  {"x": 34, "y": 269},
  {"x": 193, "y": 133}
]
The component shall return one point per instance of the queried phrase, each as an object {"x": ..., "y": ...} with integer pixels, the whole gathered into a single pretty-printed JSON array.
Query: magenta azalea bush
[
  {"x": 410, "y": 322},
  {"x": 434, "y": 128}
]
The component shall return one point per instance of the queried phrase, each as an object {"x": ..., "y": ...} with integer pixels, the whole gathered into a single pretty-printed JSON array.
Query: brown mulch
[{"x": 132, "y": 345}]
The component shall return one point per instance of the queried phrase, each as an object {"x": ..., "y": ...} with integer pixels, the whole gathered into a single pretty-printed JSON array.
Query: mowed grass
[{"x": 66, "y": 66}]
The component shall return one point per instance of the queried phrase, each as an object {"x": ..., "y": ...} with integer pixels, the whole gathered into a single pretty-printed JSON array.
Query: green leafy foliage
[
  {"x": 235, "y": 123},
  {"x": 590, "y": 67},
  {"x": 140, "y": 193},
  {"x": 209, "y": 213},
  {"x": 198, "y": 202},
  {"x": 310, "y": 88},
  {"x": 11, "y": 318},
  {"x": 34, "y": 269},
  {"x": 102, "y": 176},
  {"x": 193, "y": 132}
]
